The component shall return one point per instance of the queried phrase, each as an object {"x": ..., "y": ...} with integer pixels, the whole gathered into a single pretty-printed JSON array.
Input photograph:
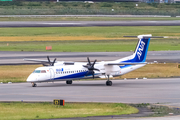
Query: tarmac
[
  {"x": 16, "y": 58},
  {"x": 87, "y": 23},
  {"x": 162, "y": 91}
]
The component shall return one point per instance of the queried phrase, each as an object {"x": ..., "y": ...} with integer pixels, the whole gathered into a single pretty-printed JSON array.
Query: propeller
[
  {"x": 49, "y": 61},
  {"x": 90, "y": 67}
]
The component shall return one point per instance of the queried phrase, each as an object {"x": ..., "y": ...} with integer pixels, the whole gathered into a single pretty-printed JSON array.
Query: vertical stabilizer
[{"x": 141, "y": 49}]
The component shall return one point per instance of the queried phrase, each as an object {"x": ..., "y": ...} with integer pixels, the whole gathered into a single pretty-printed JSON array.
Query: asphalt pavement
[
  {"x": 87, "y": 23},
  {"x": 15, "y": 58},
  {"x": 165, "y": 90}
]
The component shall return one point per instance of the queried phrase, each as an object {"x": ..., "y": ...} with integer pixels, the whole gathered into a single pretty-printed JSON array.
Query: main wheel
[
  {"x": 69, "y": 82},
  {"x": 108, "y": 83}
]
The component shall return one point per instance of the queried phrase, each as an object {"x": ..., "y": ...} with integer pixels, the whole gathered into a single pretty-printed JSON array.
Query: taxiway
[
  {"x": 15, "y": 58},
  {"x": 87, "y": 23},
  {"x": 164, "y": 90}
]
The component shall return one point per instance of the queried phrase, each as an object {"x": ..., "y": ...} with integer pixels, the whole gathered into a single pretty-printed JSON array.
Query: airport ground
[{"x": 162, "y": 91}]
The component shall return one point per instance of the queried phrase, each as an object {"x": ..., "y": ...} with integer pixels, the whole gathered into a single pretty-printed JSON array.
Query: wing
[
  {"x": 47, "y": 62},
  {"x": 127, "y": 63},
  {"x": 36, "y": 60}
]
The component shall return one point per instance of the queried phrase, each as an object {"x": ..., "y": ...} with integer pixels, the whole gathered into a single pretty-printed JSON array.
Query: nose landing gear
[
  {"x": 108, "y": 82},
  {"x": 34, "y": 84}
]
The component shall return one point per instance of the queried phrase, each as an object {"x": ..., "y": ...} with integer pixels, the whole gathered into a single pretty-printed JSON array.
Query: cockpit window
[
  {"x": 43, "y": 71},
  {"x": 39, "y": 71}
]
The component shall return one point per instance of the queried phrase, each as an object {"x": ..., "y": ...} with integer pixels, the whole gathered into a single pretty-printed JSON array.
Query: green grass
[
  {"x": 52, "y": 8},
  {"x": 89, "y": 46},
  {"x": 110, "y": 33},
  {"x": 92, "y": 31},
  {"x": 18, "y": 110},
  {"x": 86, "y": 18}
]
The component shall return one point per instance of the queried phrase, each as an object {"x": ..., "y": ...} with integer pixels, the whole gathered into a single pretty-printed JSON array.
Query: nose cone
[{"x": 32, "y": 78}]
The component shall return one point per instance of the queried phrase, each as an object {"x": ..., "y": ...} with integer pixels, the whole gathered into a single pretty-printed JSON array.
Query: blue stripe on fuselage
[
  {"x": 71, "y": 76},
  {"x": 76, "y": 75}
]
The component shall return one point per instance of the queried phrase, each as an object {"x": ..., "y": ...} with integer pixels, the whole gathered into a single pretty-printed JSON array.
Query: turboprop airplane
[{"x": 69, "y": 71}]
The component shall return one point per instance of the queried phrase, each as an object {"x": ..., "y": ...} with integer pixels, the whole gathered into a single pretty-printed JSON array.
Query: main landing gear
[
  {"x": 69, "y": 82},
  {"x": 34, "y": 85},
  {"x": 108, "y": 82}
]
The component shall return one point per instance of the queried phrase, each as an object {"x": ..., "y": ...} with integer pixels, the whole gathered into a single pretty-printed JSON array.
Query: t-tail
[{"x": 141, "y": 48}]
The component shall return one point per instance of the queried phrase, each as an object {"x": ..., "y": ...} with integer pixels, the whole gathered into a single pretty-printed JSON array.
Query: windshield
[{"x": 39, "y": 71}]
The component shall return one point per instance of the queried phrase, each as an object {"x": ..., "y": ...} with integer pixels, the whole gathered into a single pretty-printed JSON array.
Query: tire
[
  {"x": 69, "y": 82},
  {"x": 109, "y": 83}
]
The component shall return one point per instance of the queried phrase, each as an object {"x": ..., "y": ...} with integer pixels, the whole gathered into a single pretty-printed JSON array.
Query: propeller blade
[
  {"x": 88, "y": 61},
  {"x": 94, "y": 63},
  {"x": 54, "y": 62},
  {"x": 49, "y": 60},
  {"x": 93, "y": 74},
  {"x": 85, "y": 66},
  {"x": 96, "y": 69},
  {"x": 90, "y": 67}
]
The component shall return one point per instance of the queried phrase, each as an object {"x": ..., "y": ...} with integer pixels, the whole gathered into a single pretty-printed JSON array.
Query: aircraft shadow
[{"x": 78, "y": 85}]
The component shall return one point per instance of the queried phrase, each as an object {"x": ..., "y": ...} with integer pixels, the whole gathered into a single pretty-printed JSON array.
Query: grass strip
[
  {"x": 81, "y": 8},
  {"x": 105, "y": 32},
  {"x": 86, "y": 18},
  {"x": 86, "y": 39},
  {"x": 20, "y": 73},
  {"x": 18, "y": 110},
  {"x": 155, "y": 71},
  {"x": 89, "y": 45}
]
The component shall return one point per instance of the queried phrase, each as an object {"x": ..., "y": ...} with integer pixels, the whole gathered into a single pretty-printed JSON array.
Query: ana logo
[
  {"x": 59, "y": 70},
  {"x": 140, "y": 49}
]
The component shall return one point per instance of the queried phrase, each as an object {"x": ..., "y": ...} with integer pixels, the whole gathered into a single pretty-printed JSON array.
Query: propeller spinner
[{"x": 90, "y": 67}]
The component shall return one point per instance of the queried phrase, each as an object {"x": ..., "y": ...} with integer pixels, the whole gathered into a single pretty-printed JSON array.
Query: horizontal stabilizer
[{"x": 148, "y": 36}]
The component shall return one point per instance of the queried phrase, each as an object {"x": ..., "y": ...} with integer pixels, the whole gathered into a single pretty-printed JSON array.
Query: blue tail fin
[{"x": 141, "y": 49}]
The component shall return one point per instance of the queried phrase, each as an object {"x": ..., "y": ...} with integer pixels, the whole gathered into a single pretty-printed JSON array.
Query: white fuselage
[{"x": 77, "y": 71}]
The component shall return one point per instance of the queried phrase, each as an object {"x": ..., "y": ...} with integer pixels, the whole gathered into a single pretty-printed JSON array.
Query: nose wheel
[
  {"x": 108, "y": 82},
  {"x": 34, "y": 85}
]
